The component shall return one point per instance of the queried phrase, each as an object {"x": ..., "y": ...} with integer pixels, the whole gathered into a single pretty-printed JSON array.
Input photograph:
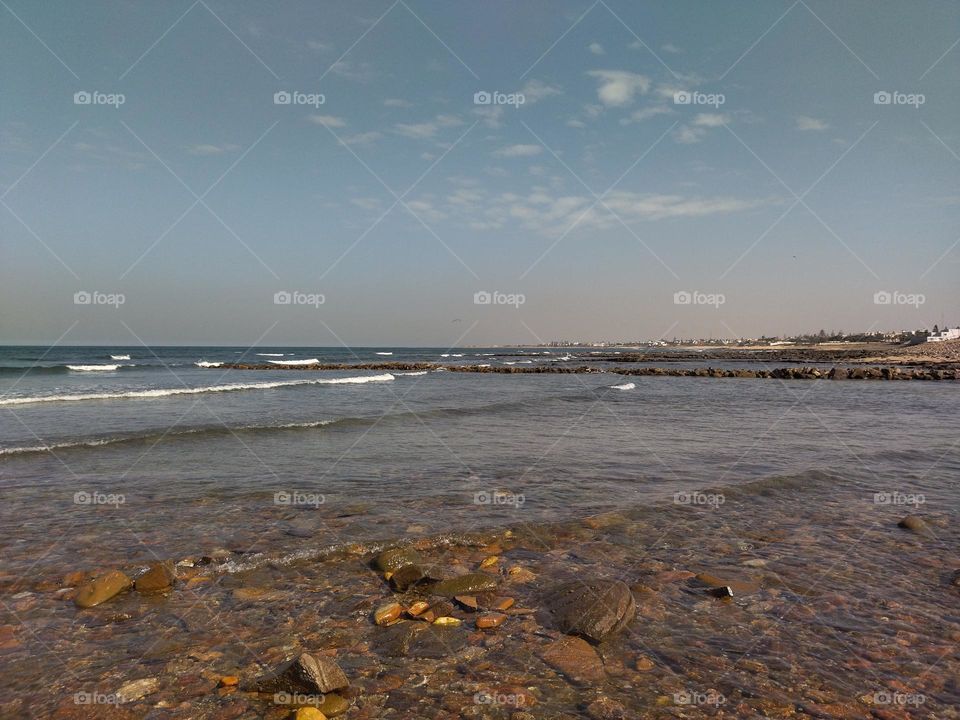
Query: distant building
[{"x": 944, "y": 335}]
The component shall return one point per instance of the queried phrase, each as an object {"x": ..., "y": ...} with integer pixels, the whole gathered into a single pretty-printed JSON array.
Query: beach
[{"x": 179, "y": 532}]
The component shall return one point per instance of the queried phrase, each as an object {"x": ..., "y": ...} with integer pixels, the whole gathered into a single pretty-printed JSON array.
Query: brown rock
[
  {"x": 101, "y": 589},
  {"x": 308, "y": 674},
  {"x": 158, "y": 578},
  {"x": 594, "y": 609},
  {"x": 914, "y": 523},
  {"x": 575, "y": 658},
  {"x": 605, "y": 708},
  {"x": 387, "y": 613},
  {"x": 490, "y": 620},
  {"x": 405, "y": 578}
]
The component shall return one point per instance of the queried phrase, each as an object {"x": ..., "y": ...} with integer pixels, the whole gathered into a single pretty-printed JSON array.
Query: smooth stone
[
  {"x": 739, "y": 586},
  {"x": 309, "y": 713},
  {"x": 915, "y": 524},
  {"x": 604, "y": 520},
  {"x": 136, "y": 689},
  {"x": 405, "y": 578},
  {"x": 419, "y": 640},
  {"x": 308, "y": 674},
  {"x": 464, "y": 585},
  {"x": 334, "y": 705},
  {"x": 387, "y": 613},
  {"x": 594, "y": 609},
  {"x": 158, "y": 578},
  {"x": 575, "y": 658},
  {"x": 395, "y": 558},
  {"x": 101, "y": 589},
  {"x": 490, "y": 620}
]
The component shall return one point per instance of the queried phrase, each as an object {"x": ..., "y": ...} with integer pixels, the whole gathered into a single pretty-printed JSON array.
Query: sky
[{"x": 436, "y": 173}]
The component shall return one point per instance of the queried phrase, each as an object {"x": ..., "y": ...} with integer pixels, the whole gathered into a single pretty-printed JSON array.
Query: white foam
[
  {"x": 119, "y": 357},
  {"x": 92, "y": 368},
  {"x": 412, "y": 374},
  {"x": 518, "y": 362},
  {"x": 623, "y": 386},
  {"x": 311, "y": 361},
  {"x": 484, "y": 365},
  {"x": 384, "y": 353},
  {"x": 270, "y": 354},
  {"x": 169, "y": 392},
  {"x": 205, "y": 364}
]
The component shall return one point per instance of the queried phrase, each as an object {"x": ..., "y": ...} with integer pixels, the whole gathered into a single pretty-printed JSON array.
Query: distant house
[{"x": 944, "y": 335}]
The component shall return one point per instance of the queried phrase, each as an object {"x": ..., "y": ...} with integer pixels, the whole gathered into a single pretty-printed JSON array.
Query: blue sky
[{"x": 782, "y": 187}]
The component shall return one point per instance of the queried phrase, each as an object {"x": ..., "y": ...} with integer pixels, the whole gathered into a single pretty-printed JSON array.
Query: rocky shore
[
  {"x": 738, "y": 608},
  {"x": 788, "y": 373}
]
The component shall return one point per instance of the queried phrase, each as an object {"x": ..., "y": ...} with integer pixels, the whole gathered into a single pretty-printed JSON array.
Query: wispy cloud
[
  {"x": 597, "y": 49},
  {"x": 328, "y": 120},
  {"x": 427, "y": 130},
  {"x": 619, "y": 87},
  {"x": 519, "y": 151},
  {"x": 206, "y": 150},
  {"x": 807, "y": 123}
]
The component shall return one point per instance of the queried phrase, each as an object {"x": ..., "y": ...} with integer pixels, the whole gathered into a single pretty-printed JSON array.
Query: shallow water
[{"x": 274, "y": 475}]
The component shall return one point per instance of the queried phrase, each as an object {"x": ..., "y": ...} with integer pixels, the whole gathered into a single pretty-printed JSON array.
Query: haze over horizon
[{"x": 676, "y": 170}]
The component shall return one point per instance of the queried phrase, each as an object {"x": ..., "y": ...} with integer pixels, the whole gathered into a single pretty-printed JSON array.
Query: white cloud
[
  {"x": 618, "y": 87},
  {"x": 805, "y": 122},
  {"x": 365, "y": 138},
  {"x": 427, "y": 130},
  {"x": 207, "y": 150},
  {"x": 318, "y": 46},
  {"x": 646, "y": 113},
  {"x": 490, "y": 114},
  {"x": 597, "y": 49},
  {"x": 328, "y": 120},
  {"x": 536, "y": 90},
  {"x": 670, "y": 48},
  {"x": 687, "y": 135},
  {"x": 397, "y": 102},
  {"x": 711, "y": 120},
  {"x": 519, "y": 151}
]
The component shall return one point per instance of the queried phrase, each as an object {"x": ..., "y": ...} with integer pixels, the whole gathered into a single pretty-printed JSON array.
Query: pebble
[
  {"x": 309, "y": 713},
  {"x": 136, "y": 689},
  {"x": 101, "y": 589},
  {"x": 490, "y": 620},
  {"x": 159, "y": 577},
  {"x": 387, "y": 613}
]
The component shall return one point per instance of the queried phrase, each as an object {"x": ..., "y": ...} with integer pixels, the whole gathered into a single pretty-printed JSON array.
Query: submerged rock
[
  {"x": 406, "y": 577},
  {"x": 594, "y": 609},
  {"x": 101, "y": 589},
  {"x": 308, "y": 674},
  {"x": 575, "y": 658},
  {"x": 136, "y": 689},
  {"x": 387, "y": 613},
  {"x": 158, "y": 578},
  {"x": 914, "y": 523},
  {"x": 465, "y": 585},
  {"x": 395, "y": 558}
]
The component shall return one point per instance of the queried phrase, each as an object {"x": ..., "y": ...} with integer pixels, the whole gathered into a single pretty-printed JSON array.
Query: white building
[{"x": 944, "y": 335}]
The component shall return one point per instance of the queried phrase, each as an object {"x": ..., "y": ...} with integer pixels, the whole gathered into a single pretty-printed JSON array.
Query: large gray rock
[
  {"x": 594, "y": 609},
  {"x": 308, "y": 674}
]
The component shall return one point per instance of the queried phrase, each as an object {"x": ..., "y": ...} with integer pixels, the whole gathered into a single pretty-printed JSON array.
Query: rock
[
  {"x": 308, "y": 674},
  {"x": 604, "y": 520},
  {"x": 955, "y": 580},
  {"x": 644, "y": 664},
  {"x": 464, "y": 585},
  {"x": 914, "y": 523},
  {"x": 447, "y": 621},
  {"x": 333, "y": 705},
  {"x": 309, "y": 713},
  {"x": 136, "y": 689},
  {"x": 418, "y": 608},
  {"x": 158, "y": 578},
  {"x": 594, "y": 609},
  {"x": 229, "y": 681},
  {"x": 101, "y": 589},
  {"x": 490, "y": 620},
  {"x": 468, "y": 602},
  {"x": 489, "y": 561},
  {"x": 605, "y": 708},
  {"x": 740, "y": 586},
  {"x": 419, "y": 640},
  {"x": 405, "y": 578},
  {"x": 395, "y": 558},
  {"x": 519, "y": 574},
  {"x": 575, "y": 658},
  {"x": 387, "y": 613},
  {"x": 722, "y": 592}
]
